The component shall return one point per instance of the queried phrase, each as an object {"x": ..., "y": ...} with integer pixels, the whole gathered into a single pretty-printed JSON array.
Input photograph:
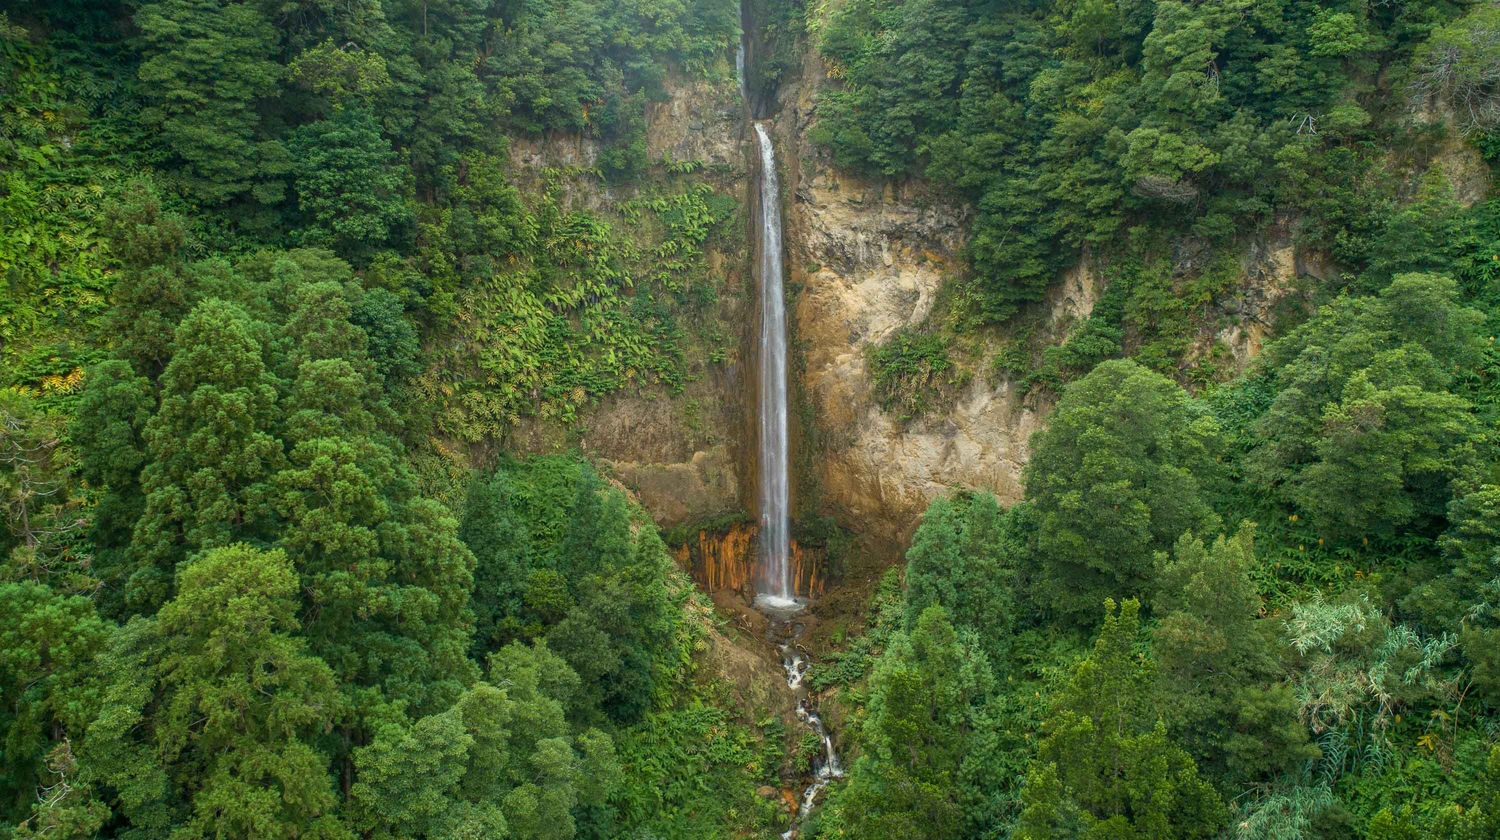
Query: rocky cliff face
[
  {"x": 681, "y": 454},
  {"x": 864, "y": 258}
]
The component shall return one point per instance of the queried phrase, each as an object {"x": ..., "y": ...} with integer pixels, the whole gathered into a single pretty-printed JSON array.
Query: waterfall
[
  {"x": 777, "y": 597},
  {"x": 739, "y": 69},
  {"x": 776, "y": 586}
]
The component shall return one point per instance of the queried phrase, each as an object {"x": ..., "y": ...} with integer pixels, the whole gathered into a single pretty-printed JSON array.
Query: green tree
[
  {"x": 1363, "y": 434},
  {"x": 1459, "y": 63},
  {"x": 619, "y": 634},
  {"x": 965, "y": 556},
  {"x": 925, "y": 695},
  {"x": 393, "y": 345},
  {"x": 1467, "y": 590},
  {"x": 1104, "y": 770},
  {"x": 47, "y": 646},
  {"x": 502, "y": 761},
  {"x": 1217, "y": 664},
  {"x": 492, "y": 531},
  {"x": 211, "y": 446},
  {"x": 386, "y": 578},
  {"x": 1120, "y": 472},
  {"x": 346, "y": 181},
  {"x": 1464, "y": 597},
  {"x": 109, "y": 431},
  {"x": 211, "y": 708},
  {"x": 1354, "y": 670},
  {"x": 35, "y": 487},
  {"x": 209, "y": 67},
  {"x": 153, "y": 290}
]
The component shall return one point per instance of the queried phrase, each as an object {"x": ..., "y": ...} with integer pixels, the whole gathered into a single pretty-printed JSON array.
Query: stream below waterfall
[{"x": 785, "y": 633}]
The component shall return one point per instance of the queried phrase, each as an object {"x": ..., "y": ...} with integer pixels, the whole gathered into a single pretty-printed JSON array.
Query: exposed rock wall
[
  {"x": 725, "y": 559},
  {"x": 867, "y": 258},
  {"x": 864, "y": 258},
  {"x": 681, "y": 454}
]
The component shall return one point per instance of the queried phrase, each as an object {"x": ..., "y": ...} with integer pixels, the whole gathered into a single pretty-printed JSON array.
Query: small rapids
[{"x": 827, "y": 767}]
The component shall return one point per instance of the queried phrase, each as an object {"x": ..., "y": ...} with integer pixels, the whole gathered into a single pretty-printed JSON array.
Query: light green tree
[
  {"x": 1363, "y": 434},
  {"x": 503, "y": 761},
  {"x": 209, "y": 67},
  {"x": 965, "y": 557},
  {"x": 211, "y": 708},
  {"x": 1118, "y": 474},
  {"x": 212, "y": 448}
]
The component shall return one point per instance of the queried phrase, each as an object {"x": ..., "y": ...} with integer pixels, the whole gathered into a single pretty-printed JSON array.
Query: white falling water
[
  {"x": 776, "y": 583},
  {"x": 739, "y": 68}
]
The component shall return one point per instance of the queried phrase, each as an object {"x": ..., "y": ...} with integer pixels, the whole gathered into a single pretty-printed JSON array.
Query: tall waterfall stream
[
  {"x": 776, "y": 596},
  {"x": 776, "y": 591}
]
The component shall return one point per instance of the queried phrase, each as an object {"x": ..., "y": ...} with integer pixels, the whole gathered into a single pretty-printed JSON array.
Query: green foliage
[
  {"x": 155, "y": 288},
  {"x": 209, "y": 67},
  {"x": 1466, "y": 591},
  {"x": 46, "y": 648},
  {"x": 574, "y": 312},
  {"x": 1459, "y": 63},
  {"x": 1103, "y": 770},
  {"x": 1356, "y": 671},
  {"x": 558, "y": 558},
  {"x": 886, "y": 616},
  {"x": 231, "y": 611},
  {"x": 1364, "y": 435},
  {"x": 1152, "y": 310},
  {"x": 966, "y": 557},
  {"x": 212, "y": 426},
  {"x": 1461, "y": 821},
  {"x": 1217, "y": 665},
  {"x": 54, "y": 258},
  {"x": 347, "y": 183},
  {"x": 924, "y": 697},
  {"x": 1101, "y": 336},
  {"x": 552, "y": 66},
  {"x": 1122, "y": 469},
  {"x": 684, "y": 774},
  {"x": 912, "y": 373},
  {"x": 503, "y": 759},
  {"x": 1065, "y": 124},
  {"x": 210, "y": 710},
  {"x": 35, "y": 489}
]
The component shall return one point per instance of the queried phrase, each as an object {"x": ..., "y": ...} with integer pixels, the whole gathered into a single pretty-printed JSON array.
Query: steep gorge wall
[
  {"x": 681, "y": 454},
  {"x": 867, "y": 258},
  {"x": 864, "y": 259}
]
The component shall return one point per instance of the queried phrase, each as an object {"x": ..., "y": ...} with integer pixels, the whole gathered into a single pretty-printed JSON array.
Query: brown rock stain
[{"x": 725, "y": 560}]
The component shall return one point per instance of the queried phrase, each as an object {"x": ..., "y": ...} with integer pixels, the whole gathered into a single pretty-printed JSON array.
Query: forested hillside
[
  {"x": 247, "y": 594},
  {"x": 1263, "y": 606},
  {"x": 282, "y": 312}
]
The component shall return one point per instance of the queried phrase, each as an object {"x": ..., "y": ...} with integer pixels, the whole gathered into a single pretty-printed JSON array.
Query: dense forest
[{"x": 274, "y": 298}]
